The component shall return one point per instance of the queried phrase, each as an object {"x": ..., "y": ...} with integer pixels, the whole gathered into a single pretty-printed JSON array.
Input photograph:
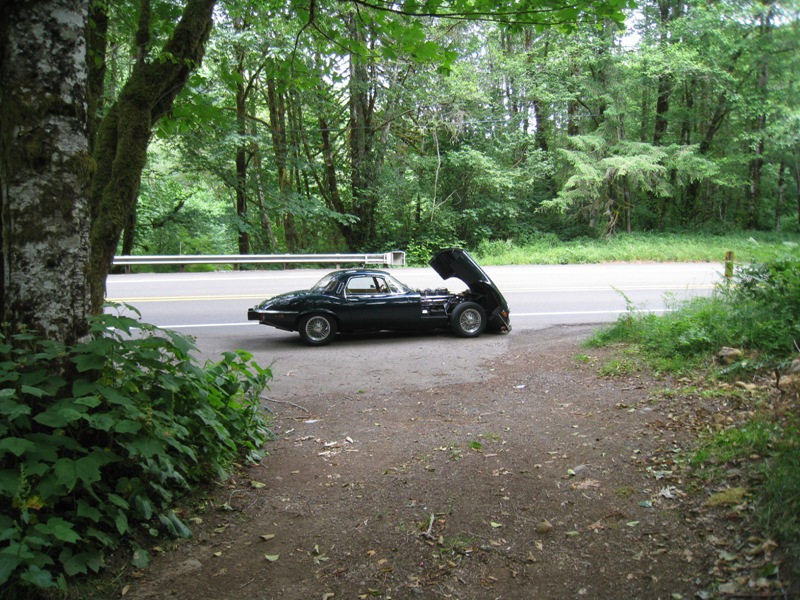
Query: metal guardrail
[{"x": 396, "y": 258}]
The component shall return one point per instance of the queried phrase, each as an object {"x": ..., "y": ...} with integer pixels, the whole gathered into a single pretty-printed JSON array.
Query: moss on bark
[{"x": 124, "y": 135}]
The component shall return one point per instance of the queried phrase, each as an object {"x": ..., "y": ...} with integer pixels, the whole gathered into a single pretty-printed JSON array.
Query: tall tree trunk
[
  {"x": 756, "y": 165},
  {"x": 266, "y": 223},
  {"x": 123, "y": 136},
  {"x": 129, "y": 233},
  {"x": 276, "y": 101},
  {"x": 45, "y": 167},
  {"x": 797, "y": 181},
  {"x": 241, "y": 165},
  {"x": 97, "y": 42},
  {"x": 781, "y": 195},
  {"x": 664, "y": 93},
  {"x": 362, "y": 150},
  {"x": 757, "y": 162},
  {"x": 331, "y": 182}
]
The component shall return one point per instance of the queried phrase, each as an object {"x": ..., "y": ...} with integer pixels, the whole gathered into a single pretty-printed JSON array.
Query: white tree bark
[{"x": 45, "y": 167}]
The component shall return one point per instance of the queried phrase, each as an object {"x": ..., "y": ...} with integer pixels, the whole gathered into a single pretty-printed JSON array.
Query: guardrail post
[{"x": 729, "y": 264}]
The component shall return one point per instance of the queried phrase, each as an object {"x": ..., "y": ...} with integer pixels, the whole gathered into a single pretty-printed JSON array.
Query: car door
[{"x": 375, "y": 302}]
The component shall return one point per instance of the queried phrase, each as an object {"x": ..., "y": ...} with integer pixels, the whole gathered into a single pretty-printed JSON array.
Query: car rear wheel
[
  {"x": 468, "y": 320},
  {"x": 317, "y": 329}
]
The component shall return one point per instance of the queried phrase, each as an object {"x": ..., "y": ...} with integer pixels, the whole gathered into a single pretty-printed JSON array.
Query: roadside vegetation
[
  {"x": 634, "y": 247},
  {"x": 741, "y": 346},
  {"x": 549, "y": 248},
  {"x": 99, "y": 442}
]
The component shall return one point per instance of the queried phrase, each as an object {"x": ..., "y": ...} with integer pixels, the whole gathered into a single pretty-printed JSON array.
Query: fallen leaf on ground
[{"x": 729, "y": 497}]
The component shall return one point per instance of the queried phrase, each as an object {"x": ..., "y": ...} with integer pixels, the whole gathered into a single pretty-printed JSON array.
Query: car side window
[
  {"x": 360, "y": 286},
  {"x": 367, "y": 285}
]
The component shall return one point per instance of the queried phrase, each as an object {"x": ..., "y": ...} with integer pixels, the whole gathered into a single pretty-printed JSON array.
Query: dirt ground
[{"x": 536, "y": 479}]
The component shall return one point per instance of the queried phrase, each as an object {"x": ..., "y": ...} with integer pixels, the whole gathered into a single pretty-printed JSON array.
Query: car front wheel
[
  {"x": 468, "y": 320},
  {"x": 317, "y": 330}
]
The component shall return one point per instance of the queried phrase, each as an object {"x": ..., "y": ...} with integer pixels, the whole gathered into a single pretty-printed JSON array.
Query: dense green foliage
[
  {"x": 650, "y": 247},
  {"x": 362, "y": 130},
  {"x": 759, "y": 313},
  {"x": 99, "y": 440}
]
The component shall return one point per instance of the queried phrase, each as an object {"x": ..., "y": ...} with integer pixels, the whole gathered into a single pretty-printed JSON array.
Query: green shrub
[
  {"x": 98, "y": 440},
  {"x": 758, "y": 311},
  {"x": 766, "y": 300}
]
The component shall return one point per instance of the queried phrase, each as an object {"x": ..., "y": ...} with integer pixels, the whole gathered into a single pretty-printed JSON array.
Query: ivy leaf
[
  {"x": 144, "y": 447},
  {"x": 119, "y": 501},
  {"x": 59, "y": 528},
  {"x": 17, "y": 446},
  {"x": 38, "y": 577},
  {"x": 121, "y": 521},
  {"x": 33, "y": 391},
  {"x": 61, "y": 414},
  {"x": 141, "y": 558},
  {"x": 144, "y": 506},
  {"x": 66, "y": 470},
  {"x": 87, "y": 511},
  {"x": 90, "y": 401},
  {"x": 9, "y": 561},
  {"x": 81, "y": 562},
  {"x": 174, "y": 525},
  {"x": 89, "y": 362},
  {"x": 127, "y": 426}
]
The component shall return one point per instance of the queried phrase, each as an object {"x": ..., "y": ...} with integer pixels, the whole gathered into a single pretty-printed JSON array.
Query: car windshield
[
  {"x": 396, "y": 287},
  {"x": 327, "y": 285}
]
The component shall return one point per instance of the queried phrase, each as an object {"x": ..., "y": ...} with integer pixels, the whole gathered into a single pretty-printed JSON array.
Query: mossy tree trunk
[
  {"x": 66, "y": 191},
  {"x": 45, "y": 167},
  {"x": 124, "y": 133}
]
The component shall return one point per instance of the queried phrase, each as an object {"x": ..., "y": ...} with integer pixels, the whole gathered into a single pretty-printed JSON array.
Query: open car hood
[{"x": 455, "y": 262}]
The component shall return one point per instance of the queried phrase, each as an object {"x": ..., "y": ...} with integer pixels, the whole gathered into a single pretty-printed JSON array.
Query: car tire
[
  {"x": 317, "y": 329},
  {"x": 468, "y": 320}
]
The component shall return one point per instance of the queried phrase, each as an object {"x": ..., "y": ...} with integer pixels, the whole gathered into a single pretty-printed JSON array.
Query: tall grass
[{"x": 651, "y": 247}]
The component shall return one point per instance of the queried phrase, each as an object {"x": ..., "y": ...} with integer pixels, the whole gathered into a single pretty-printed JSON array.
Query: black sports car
[{"x": 373, "y": 300}]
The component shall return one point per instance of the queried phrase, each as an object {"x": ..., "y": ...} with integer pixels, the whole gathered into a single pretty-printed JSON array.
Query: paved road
[
  {"x": 212, "y": 307},
  {"x": 538, "y": 295}
]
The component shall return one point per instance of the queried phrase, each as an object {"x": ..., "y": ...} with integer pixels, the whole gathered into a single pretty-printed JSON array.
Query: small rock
[
  {"x": 728, "y": 356},
  {"x": 189, "y": 565},
  {"x": 794, "y": 368},
  {"x": 544, "y": 527}
]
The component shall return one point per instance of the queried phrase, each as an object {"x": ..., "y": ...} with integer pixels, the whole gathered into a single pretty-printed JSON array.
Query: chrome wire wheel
[
  {"x": 318, "y": 330},
  {"x": 468, "y": 320}
]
